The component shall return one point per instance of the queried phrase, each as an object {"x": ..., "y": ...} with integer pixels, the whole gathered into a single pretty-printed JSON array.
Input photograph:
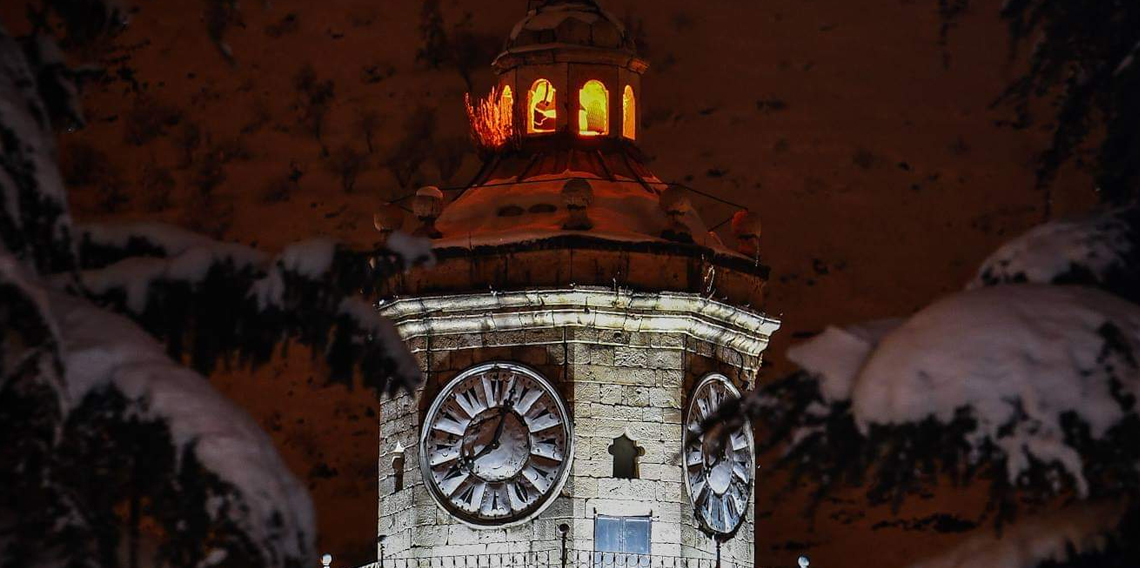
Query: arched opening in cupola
[
  {"x": 541, "y": 112},
  {"x": 594, "y": 109},
  {"x": 507, "y": 100},
  {"x": 628, "y": 114}
]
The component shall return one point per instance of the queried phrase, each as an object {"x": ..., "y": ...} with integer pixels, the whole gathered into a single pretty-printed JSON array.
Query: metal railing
[{"x": 556, "y": 559}]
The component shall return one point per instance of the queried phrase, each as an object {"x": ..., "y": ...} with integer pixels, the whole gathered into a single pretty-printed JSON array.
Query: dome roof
[
  {"x": 622, "y": 210},
  {"x": 569, "y": 22}
]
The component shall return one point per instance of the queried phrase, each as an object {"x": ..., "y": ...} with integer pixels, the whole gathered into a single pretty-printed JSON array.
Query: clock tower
[{"x": 579, "y": 325}]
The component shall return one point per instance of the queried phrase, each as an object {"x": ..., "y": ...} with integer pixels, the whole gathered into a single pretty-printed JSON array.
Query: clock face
[
  {"x": 496, "y": 445},
  {"x": 718, "y": 464}
]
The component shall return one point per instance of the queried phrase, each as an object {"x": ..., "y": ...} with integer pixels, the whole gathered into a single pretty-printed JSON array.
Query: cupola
[
  {"x": 564, "y": 195},
  {"x": 568, "y": 68}
]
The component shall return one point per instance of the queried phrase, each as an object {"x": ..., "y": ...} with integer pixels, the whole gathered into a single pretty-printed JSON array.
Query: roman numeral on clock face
[{"x": 496, "y": 444}]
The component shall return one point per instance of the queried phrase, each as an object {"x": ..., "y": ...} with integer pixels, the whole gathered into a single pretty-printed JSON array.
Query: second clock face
[
  {"x": 496, "y": 444},
  {"x": 718, "y": 464}
]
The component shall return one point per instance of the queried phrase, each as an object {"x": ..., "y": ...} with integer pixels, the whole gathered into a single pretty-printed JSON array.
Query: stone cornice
[{"x": 664, "y": 312}]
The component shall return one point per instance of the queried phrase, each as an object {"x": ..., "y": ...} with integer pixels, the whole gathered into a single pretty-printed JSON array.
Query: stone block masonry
[{"x": 619, "y": 376}]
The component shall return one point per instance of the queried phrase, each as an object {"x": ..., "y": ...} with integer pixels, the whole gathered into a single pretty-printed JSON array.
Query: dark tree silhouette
[
  {"x": 817, "y": 429},
  {"x": 114, "y": 453},
  {"x": 187, "y": 139},
  {"x": 314, "y": 99},
  {"x": 414, "y": 147},
  {"x": 462, "y": 49},
  {"x": 157, "y": 183},
  {"x": 367, "y": 123},
  {"x": 347, "y": 163},
  {"x": 1085, "y": 65}
]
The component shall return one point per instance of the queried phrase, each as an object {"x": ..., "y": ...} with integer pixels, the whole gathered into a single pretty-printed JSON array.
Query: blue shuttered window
[{"x": 621, "y": 534}]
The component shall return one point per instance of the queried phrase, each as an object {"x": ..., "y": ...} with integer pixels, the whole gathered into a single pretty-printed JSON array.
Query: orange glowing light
[
  {"x": 541, "y": 112},
  {"x": 507, "y": 99},
  {"x": 628, "y": 114},
  {"x": 492, "y": 119},
  {"x": 594, "y": 109}
]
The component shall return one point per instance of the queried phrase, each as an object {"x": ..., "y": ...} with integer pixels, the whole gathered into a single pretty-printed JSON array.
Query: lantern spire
[
  {"x": 558, "y": 136},
  {"x": 569, "y": 76}
]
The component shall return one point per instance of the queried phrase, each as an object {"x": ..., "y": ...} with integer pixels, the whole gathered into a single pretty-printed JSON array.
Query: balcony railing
[{"x": 555, "y": 559}]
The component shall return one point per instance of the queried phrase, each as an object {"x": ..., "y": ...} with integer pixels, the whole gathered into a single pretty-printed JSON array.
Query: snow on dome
[
  {"x": 502, "y": 211},
  {"x": 1101, "y": 250},
  {"x": 568, "y": 22},
  {"x": 1020, "y": 355}
]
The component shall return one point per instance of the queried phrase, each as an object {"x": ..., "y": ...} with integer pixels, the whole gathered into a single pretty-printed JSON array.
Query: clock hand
[{"x": 494, "y": 443}]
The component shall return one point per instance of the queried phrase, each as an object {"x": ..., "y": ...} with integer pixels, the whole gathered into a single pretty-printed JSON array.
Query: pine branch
[
  {"x": 1084, "y": 66},
  {"x": 34, "y": 221},
  {"x": 822, "y": 447},
  {"x": 212, "y": 302}
]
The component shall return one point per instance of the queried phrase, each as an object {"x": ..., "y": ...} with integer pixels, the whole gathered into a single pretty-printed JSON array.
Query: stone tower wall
[{"x": 615, "y": 382}]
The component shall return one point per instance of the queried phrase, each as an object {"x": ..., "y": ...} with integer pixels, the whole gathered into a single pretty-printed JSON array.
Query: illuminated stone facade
[
  {"x": 623, "y": 363},
  {"x": 567, "y": 256}
]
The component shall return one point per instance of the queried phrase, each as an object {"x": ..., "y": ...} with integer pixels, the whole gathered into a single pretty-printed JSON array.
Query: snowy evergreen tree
[
  {"x": 1100, "y": 250},
  {"x": 1085, "y": 65},
  {"x": 1027, "y": 382},
  {"x": 113, "y": 453}
]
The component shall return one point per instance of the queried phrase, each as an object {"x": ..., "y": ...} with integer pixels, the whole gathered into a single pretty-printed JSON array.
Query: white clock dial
[
  {"x": 718, "y": 465},
  {"x": 496, "y": 445}
]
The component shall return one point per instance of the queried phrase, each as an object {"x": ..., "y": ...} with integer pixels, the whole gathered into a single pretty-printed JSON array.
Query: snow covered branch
[
  {"x": 1029, "y": 380},
  {"x": 1032, "y": 387},
  {"x": 211, "y": 301},
  {"x": 34, "y": 221},
  {"x": 1100, "y": 250},
  {"x": 114, "y": 453},
  {"x": 98, "y": 420}
]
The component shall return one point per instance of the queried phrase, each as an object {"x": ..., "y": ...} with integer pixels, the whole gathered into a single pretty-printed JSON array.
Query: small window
[
  {"x": 625, "y": 453},
  {"x": 398, "y": 469},
  {"x": 541, "y": 112},
  {"x": 594, "y": 109},
  {"x": 628, "y": 114},
  {"x": 629, "y": 535}
]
